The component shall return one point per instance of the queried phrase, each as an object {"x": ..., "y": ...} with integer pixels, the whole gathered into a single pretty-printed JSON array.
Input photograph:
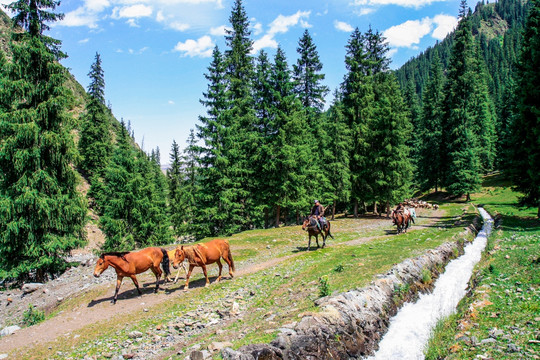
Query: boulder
[
  {"x": 8, "y": 330},
  {"x": 30, "y": 287}
]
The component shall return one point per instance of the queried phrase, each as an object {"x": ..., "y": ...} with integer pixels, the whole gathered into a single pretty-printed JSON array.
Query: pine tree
[
  {"x": 95, "y": 144},
  {"x": 307, "y": 74},
  {"x": 430, "y": 130},
  {"x": 41, "y": 213},
  {"x": 525, "y": 150},
  {"x": 174, "y": 178},
  {"x": 288, "y": 147},
  {"x": 461, "y": 147},
  {"x": 411, "y": 102},
  {"x": 358, "y": 103}
]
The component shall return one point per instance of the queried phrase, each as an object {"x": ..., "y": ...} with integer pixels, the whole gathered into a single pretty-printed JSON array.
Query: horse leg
[
  {"x": 309, "y": 242},
  {"x": 205, "y": 275},
  {"x": 228, "y": 259},
  {"x": 134, "y": 278},
  {"x": 191, "y": 267},
  {"x": 317, "y": 240},
  {"x": 118, "y": 283},
  {"x": 178, "y": 272},
  {"x": 220, "y": 268},
  {"x": 157, "y": 271}
]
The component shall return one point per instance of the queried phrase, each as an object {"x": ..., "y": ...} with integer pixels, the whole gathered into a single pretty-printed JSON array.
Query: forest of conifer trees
[{"x": 268, "y": 144}]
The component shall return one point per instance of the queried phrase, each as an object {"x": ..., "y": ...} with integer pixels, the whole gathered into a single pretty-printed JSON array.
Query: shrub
[
  {"x": 339, "y": 268},
  {"x": 33, "y": 316},
  {"x": 324, "y": 288}
]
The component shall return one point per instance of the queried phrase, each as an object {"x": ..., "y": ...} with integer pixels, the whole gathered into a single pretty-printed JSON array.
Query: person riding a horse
[{"x": 317, "y": 211}]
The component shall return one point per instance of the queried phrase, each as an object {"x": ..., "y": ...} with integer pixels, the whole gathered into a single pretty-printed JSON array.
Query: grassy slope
[
  {"x": 505, "y": 305},
  {"x": 279, "y": 293}
]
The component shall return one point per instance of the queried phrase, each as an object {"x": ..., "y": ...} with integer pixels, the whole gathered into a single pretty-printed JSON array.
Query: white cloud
[
  {"x": 280, "y": 25},
  {"x": 445, "y": 25},
  {"x": 218, "y": 31},
  {"x": 202, "y": 47},
  {"x": 408, "y": 33},
  {"x": 405, "y": 3},
  {"x": 391, "y": 52},
  {"x": 267, "y": 41},
  {"x": 80, "y": 17},
  {"x": 84, "y": 41},
  {"x": 133, "y": 11},
  {"x": 159, "y": 16},
  {"x": 343, "y": 26},
  {"x": 365, "y": 11},
  {"x": 257, "y": 29},
  {"x": 170, "y": 102},
  {"x": 179, "y": 26},
  {"x": 132, "y": 23},
  {"x": 96, "y": 5}
]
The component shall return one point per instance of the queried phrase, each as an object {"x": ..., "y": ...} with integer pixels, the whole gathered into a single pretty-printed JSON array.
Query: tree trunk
[
  {"x": 356, "y": 208},
  {"x": 365, "y": 207},
  {"x": 387, "y": 208},
  {"x": 278, "y": 209},
  {"x": 538, "y": 215},
  {"x": 266, "y": 218},
  {"x": 375, "y": 208},
  {"x": 334, "y": 210},
  {"x": 298, "y": 222},
  {"x": 468, "y": 197}
]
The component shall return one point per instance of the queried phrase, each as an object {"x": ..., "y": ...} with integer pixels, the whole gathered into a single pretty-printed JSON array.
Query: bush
[
  {"x": 426, "y": 276},
  {"x": 33, "y": 316},
  {"x": 339, "y": 268},
  {"x": 324, "y": 288}
]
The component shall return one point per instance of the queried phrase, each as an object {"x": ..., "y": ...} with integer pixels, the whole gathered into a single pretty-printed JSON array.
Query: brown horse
[
  {"x": 205, "y": 254},
  {"x": 402, "y": 221},
  {"x": 128, "y": 264},
  {"x": 310, "y": 224},
  {"x": 171, "y": 253}
]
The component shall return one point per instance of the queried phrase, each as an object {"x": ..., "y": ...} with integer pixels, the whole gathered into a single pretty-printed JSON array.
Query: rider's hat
[{"x": 316, "y": 201}]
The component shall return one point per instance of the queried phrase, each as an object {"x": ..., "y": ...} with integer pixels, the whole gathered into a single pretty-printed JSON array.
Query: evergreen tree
[
  {"x": 460, "y": 131},
  {"x": 430, "y": 130},
  {"x": 288, "y": 147},
  {"x": 411, "y": 102},
  {"x": 41, "y": 213},
  {"x": 358, "y": 105},
  {"x": 174, "y": 178},
  {"x": 525, "y": 150},
  {"x": 307, "y": 75},
  {"x": 95, "y": 144}
]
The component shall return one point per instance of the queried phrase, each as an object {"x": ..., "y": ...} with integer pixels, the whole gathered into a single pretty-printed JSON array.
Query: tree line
[{"x": 267, "y": 146}]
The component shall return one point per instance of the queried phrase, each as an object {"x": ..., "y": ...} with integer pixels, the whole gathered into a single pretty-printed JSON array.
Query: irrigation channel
[{"x": 411, "y": 328}]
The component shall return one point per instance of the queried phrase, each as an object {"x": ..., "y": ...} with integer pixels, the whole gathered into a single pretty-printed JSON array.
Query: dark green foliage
[
  {"x": 431, "y": 144},
  {"x": 460, "y": 128},
  {"x": 525, "y": 145},
  {"x": 41, "y": 213},
  {"x": 175, "y": 180},
  {"x": 307, "y": 76},
  {"x": 132, "y": 199},
  {"x": 33, "y": 316},
  {"x": 95, "y": 144}
]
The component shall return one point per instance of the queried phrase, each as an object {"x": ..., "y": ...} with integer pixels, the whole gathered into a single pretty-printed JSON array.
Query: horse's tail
[
  {"x": 329, "y": 233},
  {"x": 165, "y": 263},
  {"x": 229, "y": 255}
]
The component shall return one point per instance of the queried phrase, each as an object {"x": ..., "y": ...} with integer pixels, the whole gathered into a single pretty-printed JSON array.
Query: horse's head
[
  {"x": 179, "y": 256},
  {"x": 306, "y": 223},
  {"x": 101, "y": 266}
]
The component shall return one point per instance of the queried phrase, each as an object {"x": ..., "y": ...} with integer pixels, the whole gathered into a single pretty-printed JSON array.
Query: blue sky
[{"x": 155, "y": 52}]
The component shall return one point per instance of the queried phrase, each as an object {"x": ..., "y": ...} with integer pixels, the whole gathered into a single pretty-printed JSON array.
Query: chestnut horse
[
  {"x": 171, "y": 253},
  {"x": 310, "y": 224},
  {"x": 128, "y": 264},
  {"x": 402, "y": 221},
  {"x": 205, "y": 254}
]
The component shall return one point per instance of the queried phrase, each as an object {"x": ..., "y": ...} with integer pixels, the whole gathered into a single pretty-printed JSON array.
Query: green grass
[
  {"x": 507, "y": 293},
  {"x": 282, "y": 293}
]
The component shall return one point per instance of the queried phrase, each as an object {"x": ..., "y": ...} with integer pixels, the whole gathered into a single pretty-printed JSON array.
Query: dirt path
[{"x": 62, "y": 325}]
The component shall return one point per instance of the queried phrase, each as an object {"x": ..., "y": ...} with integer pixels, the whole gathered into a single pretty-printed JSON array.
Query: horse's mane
[
  {"x": 115, "y": 253},
  {"x": 191, "y": 252}
]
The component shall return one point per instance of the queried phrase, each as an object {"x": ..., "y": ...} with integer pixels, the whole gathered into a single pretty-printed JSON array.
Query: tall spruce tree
[
  {"x": 174, "y": 178},
  {"x": 460, "y": 127},
  {"x": 95, "y": 144},
  {"x": 41, "y": 213},
  {"x": 307, "y": 74},
  {"x": 430, "y": 130},
  {"x": 358, "y": 105},
  {"x": 525, "y": 150}
]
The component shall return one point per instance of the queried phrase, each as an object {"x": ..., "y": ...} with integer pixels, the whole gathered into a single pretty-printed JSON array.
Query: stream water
[{"x": 411, "y": 328}]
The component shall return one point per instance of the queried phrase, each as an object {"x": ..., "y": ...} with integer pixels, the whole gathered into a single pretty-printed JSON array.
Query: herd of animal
[{"x": 129, "y": 264}]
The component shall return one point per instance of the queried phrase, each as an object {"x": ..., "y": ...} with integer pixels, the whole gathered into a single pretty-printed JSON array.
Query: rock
[
  {"x": 235, "y": 308},
  {"x": 474, "y": 340},
  {"x": 135, "y": 334},
  {"x": 30, "y": 287},
  {"x": 512, "y": 348},
  {"x": 8, "y": 330},
  {"x": 196, "y": 355},
  {"x": 3, "y": 356},
  {"x": 494, "y": 333},
  {"x": 488, "y": 341},
  {"x": 218, "y": 346},
  {"x": 128, "y": 356}
]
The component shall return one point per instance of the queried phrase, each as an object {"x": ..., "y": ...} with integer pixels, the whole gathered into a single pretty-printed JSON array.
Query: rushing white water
[{"x": 411, "y": 328}]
